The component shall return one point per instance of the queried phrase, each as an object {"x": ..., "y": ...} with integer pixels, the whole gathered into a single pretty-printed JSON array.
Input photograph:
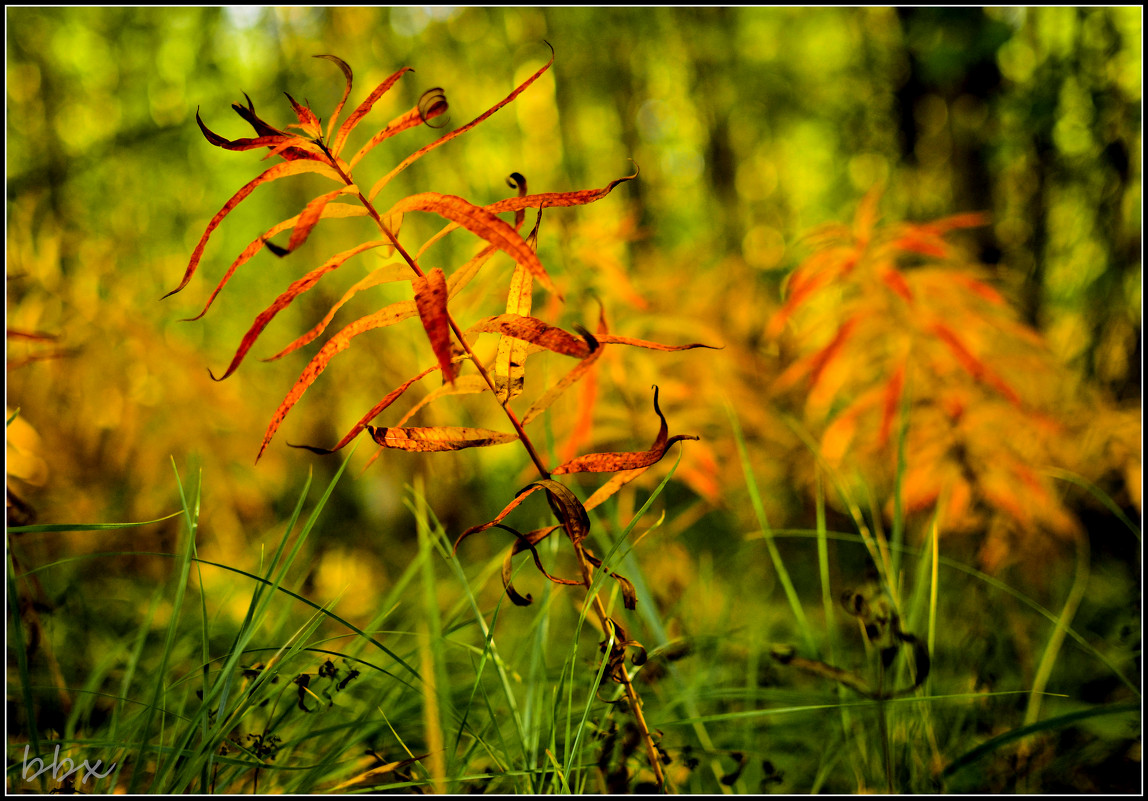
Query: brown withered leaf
[
  {"x": 527, "y": 542},
  {"x": 297, "y": 288},
  {"x": 481, "y": 223},
  {"x": 288, "y": 146},
  {"x": 536, "y": 332},
  {"x": 629, "y": 594},
  {"x": 567, "y": 508},
  {"x": 434, "y": 439},
  {"x": 430, "y": 300},
  {"x": 442, "y": 140},
  {"x": 614, "y": 462},
  {"x": 267, "y": 136},
  {"x": 274, "y": 173}
]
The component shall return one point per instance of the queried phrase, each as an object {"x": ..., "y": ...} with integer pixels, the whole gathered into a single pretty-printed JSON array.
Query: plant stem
[{"x": 583, "y": 563}]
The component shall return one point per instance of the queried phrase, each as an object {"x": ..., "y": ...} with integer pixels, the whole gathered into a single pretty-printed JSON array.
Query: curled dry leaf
[
  {"x": 615, "y": 462},
  {"x": 527, "y": 542},
  {"x": 567, "y": 508}
]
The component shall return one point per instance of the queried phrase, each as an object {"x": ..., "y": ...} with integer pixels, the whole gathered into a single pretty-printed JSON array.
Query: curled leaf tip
[
  {"x": 276, "y": 249},
  {"x": 312, "y": 448},
  {"x": 433, "y": 104},
  {"x": 591, "y": 340},
  {"x": 516, "y": 180},
  {"x": 213, "y": 378}
]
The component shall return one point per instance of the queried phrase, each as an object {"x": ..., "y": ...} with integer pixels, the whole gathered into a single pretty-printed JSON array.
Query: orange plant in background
[
  {"x": 314, "y": 148},
  {"x": 892, "y": 325}
]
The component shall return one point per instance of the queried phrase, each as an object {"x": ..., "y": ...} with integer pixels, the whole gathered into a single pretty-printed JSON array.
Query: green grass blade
[
  {"x": 57, "y": 527},
  {"x": 770, "y": 544},
  {"x": 1050, "y": 724},
  {"x": 191, "y": 514}
]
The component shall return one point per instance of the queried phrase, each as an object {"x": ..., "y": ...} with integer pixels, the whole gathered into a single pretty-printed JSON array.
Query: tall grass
[{"x": 450, "y": 688}]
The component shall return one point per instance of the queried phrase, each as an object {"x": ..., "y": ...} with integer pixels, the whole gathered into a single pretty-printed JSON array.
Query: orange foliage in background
[{"x": 891, "y": 326}]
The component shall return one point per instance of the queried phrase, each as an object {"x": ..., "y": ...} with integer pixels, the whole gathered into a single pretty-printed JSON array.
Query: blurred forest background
[{"x": 750, "y": 127}]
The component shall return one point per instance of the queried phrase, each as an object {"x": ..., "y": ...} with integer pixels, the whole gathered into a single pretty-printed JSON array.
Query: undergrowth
[{"x": 814, "y": 660}]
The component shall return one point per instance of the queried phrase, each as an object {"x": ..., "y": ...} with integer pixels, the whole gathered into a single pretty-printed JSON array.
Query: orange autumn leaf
[
  {"x": 895, "y": 281},
  {"x": 274, "y": 173},
  {"x": 331, "y": 210},
  {"x": 442, "y": 140},
  {"x": 394, "y": 313},
  {"x": 536, "y": 332},
  {"x": 892, "y": 399},
  {"x": 297, "y": 288},
  {"x": 582, "y": 368},
  {"x": 389, "y": 315},
  {"x": 583, "y": 426},
  {"x": 363, "y": 109},
  {"x": 580, "y": 197},
  {"x": 434, "y": 439},
  {"x": 375, "y": 411},
  {"x": 308, "y": 219},
  {"x": 611, "y": 487},
  {"x": 510, "y": 360},
  {"x": 464, "y": 385},
  {"x": 481, "y": 223},
  {"x": 431, "y": 301},
  {"x": 610, "y": 339},
  {"x": 974, "y": 366}
]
